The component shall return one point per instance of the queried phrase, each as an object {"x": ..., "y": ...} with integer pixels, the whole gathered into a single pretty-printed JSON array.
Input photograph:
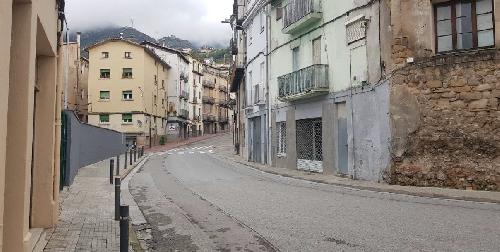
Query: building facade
[
  {"x": 30, "y": 113},
  {"x": 127, "y": 90},
  {"x": 215, "y": 99},
  {"x": 387, "y": 91},
  {"x": 178, "y": 85},
  {"x": 196, "y": 98},
  {"x": 76, "y": 74}
]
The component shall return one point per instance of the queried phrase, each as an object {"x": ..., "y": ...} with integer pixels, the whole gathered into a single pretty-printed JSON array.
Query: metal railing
[
  {"x": 208, "y": 100},
  {"x": 208, "y": 84},
  {"x": 295, "y": 10},
  {"x": 184, "y": 95},
  {"x": 183, "y": 113},
  {"x": 303, "y": 82}
]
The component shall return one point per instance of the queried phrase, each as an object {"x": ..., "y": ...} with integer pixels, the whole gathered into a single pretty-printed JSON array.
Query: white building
[{"x": 178, "y": 88}]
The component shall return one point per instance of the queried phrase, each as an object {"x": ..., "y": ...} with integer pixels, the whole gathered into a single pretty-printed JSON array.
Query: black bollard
[
  {"x": 118, "y": 183},
  {"x": 131, "y": 160},
  {"x": 111, "y": 167},
  {"x": 125, "y": 165},
  {"x": 117, "y": 165},
  {"x": 124, "y": 214},
  {"x": 135, "y": 155},
  {"x": 142, "y": 151}
]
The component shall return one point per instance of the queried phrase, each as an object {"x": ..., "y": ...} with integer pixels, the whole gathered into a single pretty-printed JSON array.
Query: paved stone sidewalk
[{"x": 87, "y": 211}]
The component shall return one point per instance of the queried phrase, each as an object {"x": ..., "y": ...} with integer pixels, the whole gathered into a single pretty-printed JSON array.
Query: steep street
[{"x": 194, "y": 198}]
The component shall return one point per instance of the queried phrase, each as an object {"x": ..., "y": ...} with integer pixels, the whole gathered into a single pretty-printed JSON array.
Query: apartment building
[
  {"x": 237, "y": 77},
  {"x": 75, "y": 79},
  {"x": 215, "y": 99},
  {"x": 30, "y": 119},
  {"x": 179, "y": 90},
  {"x": 196, "y": 98},
  {"x": 256, "y": 109},
  {"x": 127, "y": 90},
  {"x": 369, "y": 89}
]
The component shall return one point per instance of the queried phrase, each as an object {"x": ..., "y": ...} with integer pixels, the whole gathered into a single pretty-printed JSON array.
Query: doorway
[{"x": 342, "y": 138}]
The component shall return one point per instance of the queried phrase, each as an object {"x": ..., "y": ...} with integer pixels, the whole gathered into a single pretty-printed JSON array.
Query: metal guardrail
[
  {"x": 295, "y": 10},
  {"x": 303, "y": 82}
]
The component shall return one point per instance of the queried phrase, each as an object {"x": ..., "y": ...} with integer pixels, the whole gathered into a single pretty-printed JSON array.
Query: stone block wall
[{"x": 445, "y": 119}]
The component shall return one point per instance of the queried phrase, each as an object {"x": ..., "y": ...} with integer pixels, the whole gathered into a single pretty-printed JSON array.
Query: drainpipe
[
  {"x": 78, "y": 48},
  {"x": 66, "y": 69},
  {"x": 268, "y": 63}
]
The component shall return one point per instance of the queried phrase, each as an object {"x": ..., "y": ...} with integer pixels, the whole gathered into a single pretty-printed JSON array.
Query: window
[
  {"x": 127, "y": 73},
  {"x": 464, "y": 24},
  {"x": 103, "y": 118},
  {"x": 105, "y": 73},
  {"x": 279, "y": 13},
  {"x": 105, "y": 55},
  {"x": 128, "y": 55},
  {"x": 127, "y": 95},
  {"x": 104, "y": 95},
  {"x": 316, "y": 51},
  {"x": 256, "y": 93},
  {"x": 126, "y": 118},
  {"x": 163, "y": 84},
  {"x": 156, "y": 79},
  {"x": 154, "y": 99}
]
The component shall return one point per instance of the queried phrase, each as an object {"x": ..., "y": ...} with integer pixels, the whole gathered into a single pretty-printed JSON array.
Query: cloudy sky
[{"x": 195, "y": 20}]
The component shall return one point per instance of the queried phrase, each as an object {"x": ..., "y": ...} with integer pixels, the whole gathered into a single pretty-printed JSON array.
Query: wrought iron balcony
[
  {"x": 299, "y": 14},
  {"x": 208, "y": 118},
  {"x": 183, "y": 113},
  {"x": 208, "y": 84},
  {"x": 304, "y": 83},
  {"x": 208, "y": 100},
  {"x": 184, "y": 95}
]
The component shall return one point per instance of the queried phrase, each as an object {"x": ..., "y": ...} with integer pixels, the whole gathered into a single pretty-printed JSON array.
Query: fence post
[
  {"x": 118, "y": 183},
  {"x": 111, "y": 167},
  {"x": 117, "y": 165},
  {"x": 124, "y": 214}
]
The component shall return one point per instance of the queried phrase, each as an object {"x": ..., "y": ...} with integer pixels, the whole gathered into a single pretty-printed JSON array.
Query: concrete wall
[{"x": 89, "y": 144}]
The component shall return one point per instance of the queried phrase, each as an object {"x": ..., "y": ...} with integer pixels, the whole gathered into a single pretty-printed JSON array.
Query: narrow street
[{"x": 195, "y": 199}]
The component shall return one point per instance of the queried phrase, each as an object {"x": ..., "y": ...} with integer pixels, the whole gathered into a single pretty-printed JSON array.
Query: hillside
[{"x": 176, "y": 43}]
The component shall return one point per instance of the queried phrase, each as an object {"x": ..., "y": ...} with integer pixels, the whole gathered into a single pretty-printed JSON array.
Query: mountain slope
[{"x": 176, "y": 43}]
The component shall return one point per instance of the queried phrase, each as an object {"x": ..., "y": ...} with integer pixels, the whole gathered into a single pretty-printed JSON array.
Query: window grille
[
  {"x": 309, "y": 144},
  {"x": 356, "y": 30},
  {"x": 281, "y": 132}
]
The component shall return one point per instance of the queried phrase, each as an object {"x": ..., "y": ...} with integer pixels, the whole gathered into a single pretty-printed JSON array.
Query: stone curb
[{"x": 435, "y": 195}]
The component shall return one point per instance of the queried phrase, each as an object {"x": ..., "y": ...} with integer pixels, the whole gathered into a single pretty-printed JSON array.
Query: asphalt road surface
[{"x": 197, "y": 200}]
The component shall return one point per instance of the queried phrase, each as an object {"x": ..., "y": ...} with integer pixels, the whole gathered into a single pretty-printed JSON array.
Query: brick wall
[{"x": 452, "y": 137}]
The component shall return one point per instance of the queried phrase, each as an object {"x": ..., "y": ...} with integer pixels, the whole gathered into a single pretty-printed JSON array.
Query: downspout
[
  {"x": 66, "y": 69},
  {"x": 268, "y": 63}
]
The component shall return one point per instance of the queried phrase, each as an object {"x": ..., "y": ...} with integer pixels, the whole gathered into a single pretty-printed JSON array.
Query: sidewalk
[
  {"x": 430, "y": 192},
  {"x": 87, "y": 211}
]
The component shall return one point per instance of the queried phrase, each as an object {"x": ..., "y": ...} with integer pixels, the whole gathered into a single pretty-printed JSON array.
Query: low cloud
[{"x": 195, "y": 20}]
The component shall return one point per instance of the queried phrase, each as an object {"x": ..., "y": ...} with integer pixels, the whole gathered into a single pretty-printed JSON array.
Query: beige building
[
  {"x": 127, "y": 90},
  {"x": 215, "y": 99},
  {"x": 75, "y": 79},
  {"x": 29, "y": 120}
]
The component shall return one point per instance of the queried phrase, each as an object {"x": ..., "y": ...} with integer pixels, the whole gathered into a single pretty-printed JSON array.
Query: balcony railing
[
  {"x": 184, "y": 95},
  {"x": 208, "y": 100},
  {"x": 298, "y": 14},
  {"x": 304, "y": 83},
  {"x": 208, "y": 84},
  {"x": 208, "y": 118},
  {"x": 183, "y": 113},
  {"x": 223, "y": 119}
]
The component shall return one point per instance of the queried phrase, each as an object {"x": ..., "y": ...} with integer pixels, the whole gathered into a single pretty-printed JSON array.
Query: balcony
[
  {"x": 299, "y": 14},
  {"x": 184, "y": 95},
  {"x": 224, "y": 103},
  {"x": 223, "y": 89},
  {"x": 196, "y": 118},
  {"x": 208, "y": 100},
  {"x": 208, "y": 84},
  {"x": 223, "y": 119},
  {"x": 183, "y": 113},
  {"x": 208, "y": 118},
  {"x": 304, "y": 83},
  {"x": 195, "y": 100}
]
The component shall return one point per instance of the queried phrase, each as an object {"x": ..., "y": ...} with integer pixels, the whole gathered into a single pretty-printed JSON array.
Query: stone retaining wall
[{"x": 446, "y": 121}]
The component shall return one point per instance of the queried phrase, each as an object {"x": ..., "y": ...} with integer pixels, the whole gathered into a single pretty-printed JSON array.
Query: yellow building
[
  {"x": 215, "y": 99},
  {"x": 30, "y": 120},
  {"x": 127, "y": 90}
]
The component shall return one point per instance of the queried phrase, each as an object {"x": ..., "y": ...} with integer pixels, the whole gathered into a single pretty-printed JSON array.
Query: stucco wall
[{"x": 88, "y": 144}]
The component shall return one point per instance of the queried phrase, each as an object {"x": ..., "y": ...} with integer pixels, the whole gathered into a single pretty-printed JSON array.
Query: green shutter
[{"x": 104, "y": 118}]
